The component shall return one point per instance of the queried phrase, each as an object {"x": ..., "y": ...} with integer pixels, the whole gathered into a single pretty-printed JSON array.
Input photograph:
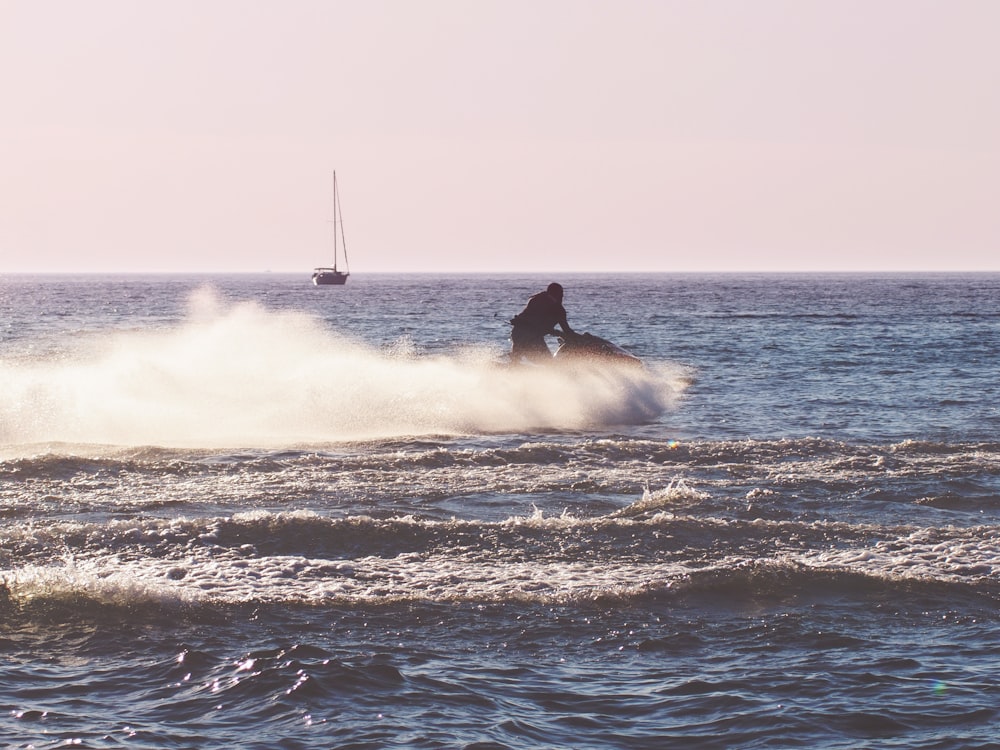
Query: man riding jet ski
[{"x": 539, "y": 318}]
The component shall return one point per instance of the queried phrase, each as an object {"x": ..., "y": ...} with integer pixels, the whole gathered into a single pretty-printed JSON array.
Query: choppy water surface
[{"x": 246, "y": 511}]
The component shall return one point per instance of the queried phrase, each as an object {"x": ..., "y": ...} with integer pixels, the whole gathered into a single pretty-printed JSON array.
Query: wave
[
  {"x": 747, "y": 586},
  {"x": 656, "y": 553},
  {"x": 60, "y": 460},
  {"x": 488, "y": 477}
]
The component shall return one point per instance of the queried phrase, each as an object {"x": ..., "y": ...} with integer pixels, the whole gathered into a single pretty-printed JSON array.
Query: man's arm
[{"x": 562, "y": 320}]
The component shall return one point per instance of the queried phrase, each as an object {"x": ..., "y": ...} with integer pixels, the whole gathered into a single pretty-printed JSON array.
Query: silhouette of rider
[{"x": 537, "y": 320}]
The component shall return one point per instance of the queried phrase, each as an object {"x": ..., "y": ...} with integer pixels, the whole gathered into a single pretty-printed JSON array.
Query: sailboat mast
[
  {"x": 339, "y": 218},
  {"x": 335, "y": 220}
]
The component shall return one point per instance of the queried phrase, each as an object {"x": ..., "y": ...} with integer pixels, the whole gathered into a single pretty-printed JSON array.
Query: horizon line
[{"x": 679, "y": 272}]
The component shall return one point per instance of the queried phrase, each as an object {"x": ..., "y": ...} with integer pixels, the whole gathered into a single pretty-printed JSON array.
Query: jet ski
[{"x": 588, "y": 348}]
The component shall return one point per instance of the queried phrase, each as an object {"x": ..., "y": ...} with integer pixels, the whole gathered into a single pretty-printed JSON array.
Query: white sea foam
[
  {"x": 213, "y": 575},
  {"x": 239, "y": 375},
  {"x": 209, "y": 576},
  {"x": 929, "y": 554}
]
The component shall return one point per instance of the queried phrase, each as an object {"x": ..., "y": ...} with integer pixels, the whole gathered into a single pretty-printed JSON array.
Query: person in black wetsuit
[{"x": 537, "y": 320}]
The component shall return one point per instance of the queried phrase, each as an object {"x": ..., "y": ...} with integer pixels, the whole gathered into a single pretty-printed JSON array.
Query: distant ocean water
[{"x": 245, "y": 511}]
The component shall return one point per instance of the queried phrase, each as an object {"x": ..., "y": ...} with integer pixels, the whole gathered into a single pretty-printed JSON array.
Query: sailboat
[{"x": 328, "y": 276}]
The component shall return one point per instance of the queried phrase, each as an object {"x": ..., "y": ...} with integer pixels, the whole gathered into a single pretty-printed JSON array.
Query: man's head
[{"x": 555, "y": 290}]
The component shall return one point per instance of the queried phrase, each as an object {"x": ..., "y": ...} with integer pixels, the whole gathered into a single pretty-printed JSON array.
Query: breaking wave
[{"x": 304, "y": 559}]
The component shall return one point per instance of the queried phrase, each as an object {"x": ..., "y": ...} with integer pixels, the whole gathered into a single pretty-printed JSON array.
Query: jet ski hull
[{"x": 585, "y": 347}]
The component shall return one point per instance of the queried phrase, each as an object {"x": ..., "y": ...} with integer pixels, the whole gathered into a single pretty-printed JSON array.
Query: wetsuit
[{"x": 538, "y": 318}]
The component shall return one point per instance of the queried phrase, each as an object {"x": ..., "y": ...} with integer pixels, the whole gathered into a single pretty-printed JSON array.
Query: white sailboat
[{"x": 334, "y": 276}]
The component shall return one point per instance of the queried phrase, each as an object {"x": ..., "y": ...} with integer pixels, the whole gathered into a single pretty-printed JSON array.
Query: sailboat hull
[{"x": 329, "y": 277}]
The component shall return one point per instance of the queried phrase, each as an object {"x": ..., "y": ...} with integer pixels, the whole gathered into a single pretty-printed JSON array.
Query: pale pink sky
[{"x": 500, "y": 135}]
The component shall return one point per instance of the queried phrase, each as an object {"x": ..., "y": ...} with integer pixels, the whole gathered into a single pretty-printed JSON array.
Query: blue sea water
[{"x": 245, "y": 511}]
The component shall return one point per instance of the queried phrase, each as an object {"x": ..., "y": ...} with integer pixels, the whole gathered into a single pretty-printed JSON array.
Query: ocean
[{"x": 243, "y": 511}]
